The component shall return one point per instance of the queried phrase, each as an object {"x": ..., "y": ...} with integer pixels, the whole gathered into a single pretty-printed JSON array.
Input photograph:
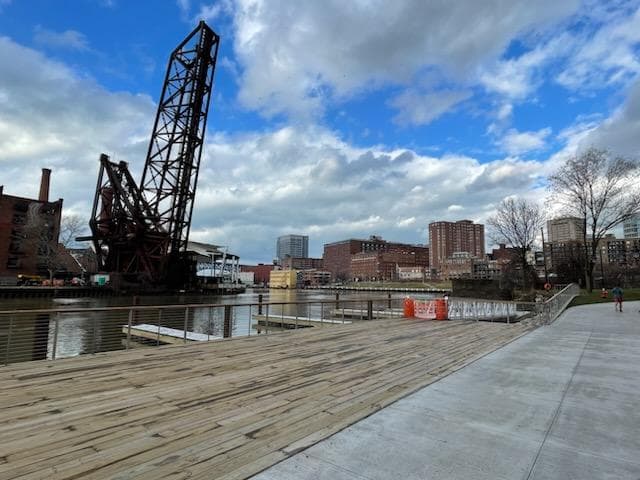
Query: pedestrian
[{"x": 617, "y": 298}]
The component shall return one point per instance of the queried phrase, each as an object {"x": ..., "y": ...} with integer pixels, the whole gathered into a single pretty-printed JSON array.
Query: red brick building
[
  {"x": 372, "y": 258},
  {"x": 372, "y": 266},
  {"x": 447, "y": 238},
  {"x": 261, "y": 272},
  {"x": 503, "y": 253},
  {"x": 21, "y": 250},
  {"x": 300, "y": 263}
]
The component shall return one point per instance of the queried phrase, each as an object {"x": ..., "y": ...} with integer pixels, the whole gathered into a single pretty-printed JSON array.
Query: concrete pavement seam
[{"x": 557, "y": 412}]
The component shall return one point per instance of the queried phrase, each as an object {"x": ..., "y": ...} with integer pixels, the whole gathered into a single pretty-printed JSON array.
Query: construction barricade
[
  {"x": 436, "y": 309},
  {"x": 408, "y": 308}
]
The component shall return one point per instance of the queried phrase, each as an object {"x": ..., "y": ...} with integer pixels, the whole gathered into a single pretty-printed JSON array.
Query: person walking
[{"x": 617, "y": 298}]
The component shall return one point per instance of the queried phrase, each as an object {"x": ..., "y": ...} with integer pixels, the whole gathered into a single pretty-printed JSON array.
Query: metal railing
[
  {"x": 540, "y": 312},
  {"x": 488, "y": 310},
  {"x": 40, "y": 334},
  {"x": 553, "y": 307}
]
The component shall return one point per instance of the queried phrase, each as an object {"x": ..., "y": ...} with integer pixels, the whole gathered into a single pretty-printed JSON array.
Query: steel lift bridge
[{"x": 140, "y": 232}]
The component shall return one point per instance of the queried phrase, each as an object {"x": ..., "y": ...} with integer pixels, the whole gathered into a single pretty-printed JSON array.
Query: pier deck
[{"x": 224, "y": 409}]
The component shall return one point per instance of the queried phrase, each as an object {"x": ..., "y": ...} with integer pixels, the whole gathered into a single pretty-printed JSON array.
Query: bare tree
[
  {"x": 601, "y": 189},
  {"x": 40, "y": 233},
  {"x": 72, "y": 226},
  {"x": 517, "y": 223}
]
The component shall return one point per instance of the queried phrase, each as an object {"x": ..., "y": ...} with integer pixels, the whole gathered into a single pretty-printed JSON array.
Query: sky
[{"x": 332, "y": 119}]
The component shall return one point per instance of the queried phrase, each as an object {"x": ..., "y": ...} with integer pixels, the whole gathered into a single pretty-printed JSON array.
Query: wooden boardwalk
[{"x": 220, "y": 410}]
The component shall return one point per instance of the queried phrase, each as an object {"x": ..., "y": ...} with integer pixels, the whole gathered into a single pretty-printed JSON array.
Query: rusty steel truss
[{"x": 141, "y": 232}]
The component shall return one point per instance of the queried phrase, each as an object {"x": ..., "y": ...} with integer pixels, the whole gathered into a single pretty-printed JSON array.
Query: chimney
[{"x": 44, "y": 185}]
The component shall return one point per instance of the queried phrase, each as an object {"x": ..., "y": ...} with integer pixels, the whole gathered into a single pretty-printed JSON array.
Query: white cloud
[
  {"x": 211, "y": 12},
  {"x": 258, "y": 185},
  {"x": 406, "y": 222},
  {"x": 517, "y": 78},
  {"x": 69, "y": 39},
  {"x": 618, "y": 133},
  {"x": 50, "y": 117},
  {"x": 609, "y": 56},
  {"x": 505, "y": 111},
  {"x": 295, "y": 55},
  {"x": 185, "y": 8},
  {"x": 417, "y": 108},
  {"x": 309, "y": 180},
  {"x": 517, "y": 143}
]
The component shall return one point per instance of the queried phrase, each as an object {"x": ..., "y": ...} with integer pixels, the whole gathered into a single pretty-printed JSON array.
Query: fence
[
  {"x": 552, "y": 308},
  {"x": 508, "y": 311},
  {"x": 58, "y": 333},
  {"x": 40, "y": 334},
  {"x": 488, "y": 310}
]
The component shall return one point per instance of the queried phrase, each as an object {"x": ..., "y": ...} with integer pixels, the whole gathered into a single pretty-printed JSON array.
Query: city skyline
[{"x": 404, "y": 115}]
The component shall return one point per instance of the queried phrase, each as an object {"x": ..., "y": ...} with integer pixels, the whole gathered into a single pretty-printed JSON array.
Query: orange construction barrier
[
  {"x": 408, "y": 308},
  {"x": 442, "y": 309}
]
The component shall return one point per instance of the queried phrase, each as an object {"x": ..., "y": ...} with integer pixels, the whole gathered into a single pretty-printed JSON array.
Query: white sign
[{"x": 425, "y": 309}]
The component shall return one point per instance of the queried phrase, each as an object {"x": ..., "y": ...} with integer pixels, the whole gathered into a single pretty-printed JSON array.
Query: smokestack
[{"x": 44, "y": 185}]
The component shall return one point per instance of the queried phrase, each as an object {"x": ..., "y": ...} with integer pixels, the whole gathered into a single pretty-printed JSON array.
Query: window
[
  {"x": 21, "y": 207},
  {"x": 13, "y": 262},
  {"x": 15, "y": 246}
]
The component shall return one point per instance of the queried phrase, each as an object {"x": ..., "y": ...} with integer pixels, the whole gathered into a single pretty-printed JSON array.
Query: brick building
[
  {"x": 465, "y": 265},
  {"x": 370, "y": 258},
  {"x": 383, "y": 265},
  {"x": 29, "y": 231},
  {"x": 503, "y": 253},
  {"x": 299, "y": 263},
  {"x": 447, "y": 238},
  {"x": 311, "y": 278},
  {"x": 261, "y": 272}
]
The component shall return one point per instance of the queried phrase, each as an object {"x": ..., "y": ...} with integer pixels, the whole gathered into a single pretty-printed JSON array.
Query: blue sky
[{"x": 332, "y": 119}]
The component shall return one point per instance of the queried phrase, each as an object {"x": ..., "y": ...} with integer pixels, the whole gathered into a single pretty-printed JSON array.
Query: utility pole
[{"x": 601, "y": 267}]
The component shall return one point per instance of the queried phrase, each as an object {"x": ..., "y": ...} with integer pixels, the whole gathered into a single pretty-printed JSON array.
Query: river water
[{"x": 31, "y": 336}]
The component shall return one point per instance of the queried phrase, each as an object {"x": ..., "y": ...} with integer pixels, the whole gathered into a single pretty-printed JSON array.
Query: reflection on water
[{"x": 38, "y": 336}]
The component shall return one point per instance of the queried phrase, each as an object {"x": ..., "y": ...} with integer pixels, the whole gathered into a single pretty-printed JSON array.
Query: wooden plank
[{"x": 224, "y": 409}]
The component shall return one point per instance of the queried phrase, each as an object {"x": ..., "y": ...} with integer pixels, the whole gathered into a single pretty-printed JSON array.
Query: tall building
[
  {"x": 447, "y": 238},
  {"x": 565, "y": 229},
  {"x": 29, "y": 231},
  {"x": 632, "y": 227},
  {"x": 292, "y": 246}
]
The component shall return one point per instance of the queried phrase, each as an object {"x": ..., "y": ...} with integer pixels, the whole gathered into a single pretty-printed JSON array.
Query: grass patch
[{"x": 586, "y": 298}]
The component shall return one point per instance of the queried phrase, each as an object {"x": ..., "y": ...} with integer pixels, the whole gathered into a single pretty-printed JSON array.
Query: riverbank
[
  {"x": 586, "y": 298},
  {"x": 399, "y": 287}
]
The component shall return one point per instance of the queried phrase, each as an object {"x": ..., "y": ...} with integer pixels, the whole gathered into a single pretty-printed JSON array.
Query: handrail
[
  {"x": 39, "y": 334},
  {"x": 63, "y": 332},
  {"x": 184, "y": 305},
  {"x": 554, "y": 306}
]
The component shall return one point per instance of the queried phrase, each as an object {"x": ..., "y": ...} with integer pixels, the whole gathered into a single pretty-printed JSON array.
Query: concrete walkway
[{"x": 561, "y": 402}]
